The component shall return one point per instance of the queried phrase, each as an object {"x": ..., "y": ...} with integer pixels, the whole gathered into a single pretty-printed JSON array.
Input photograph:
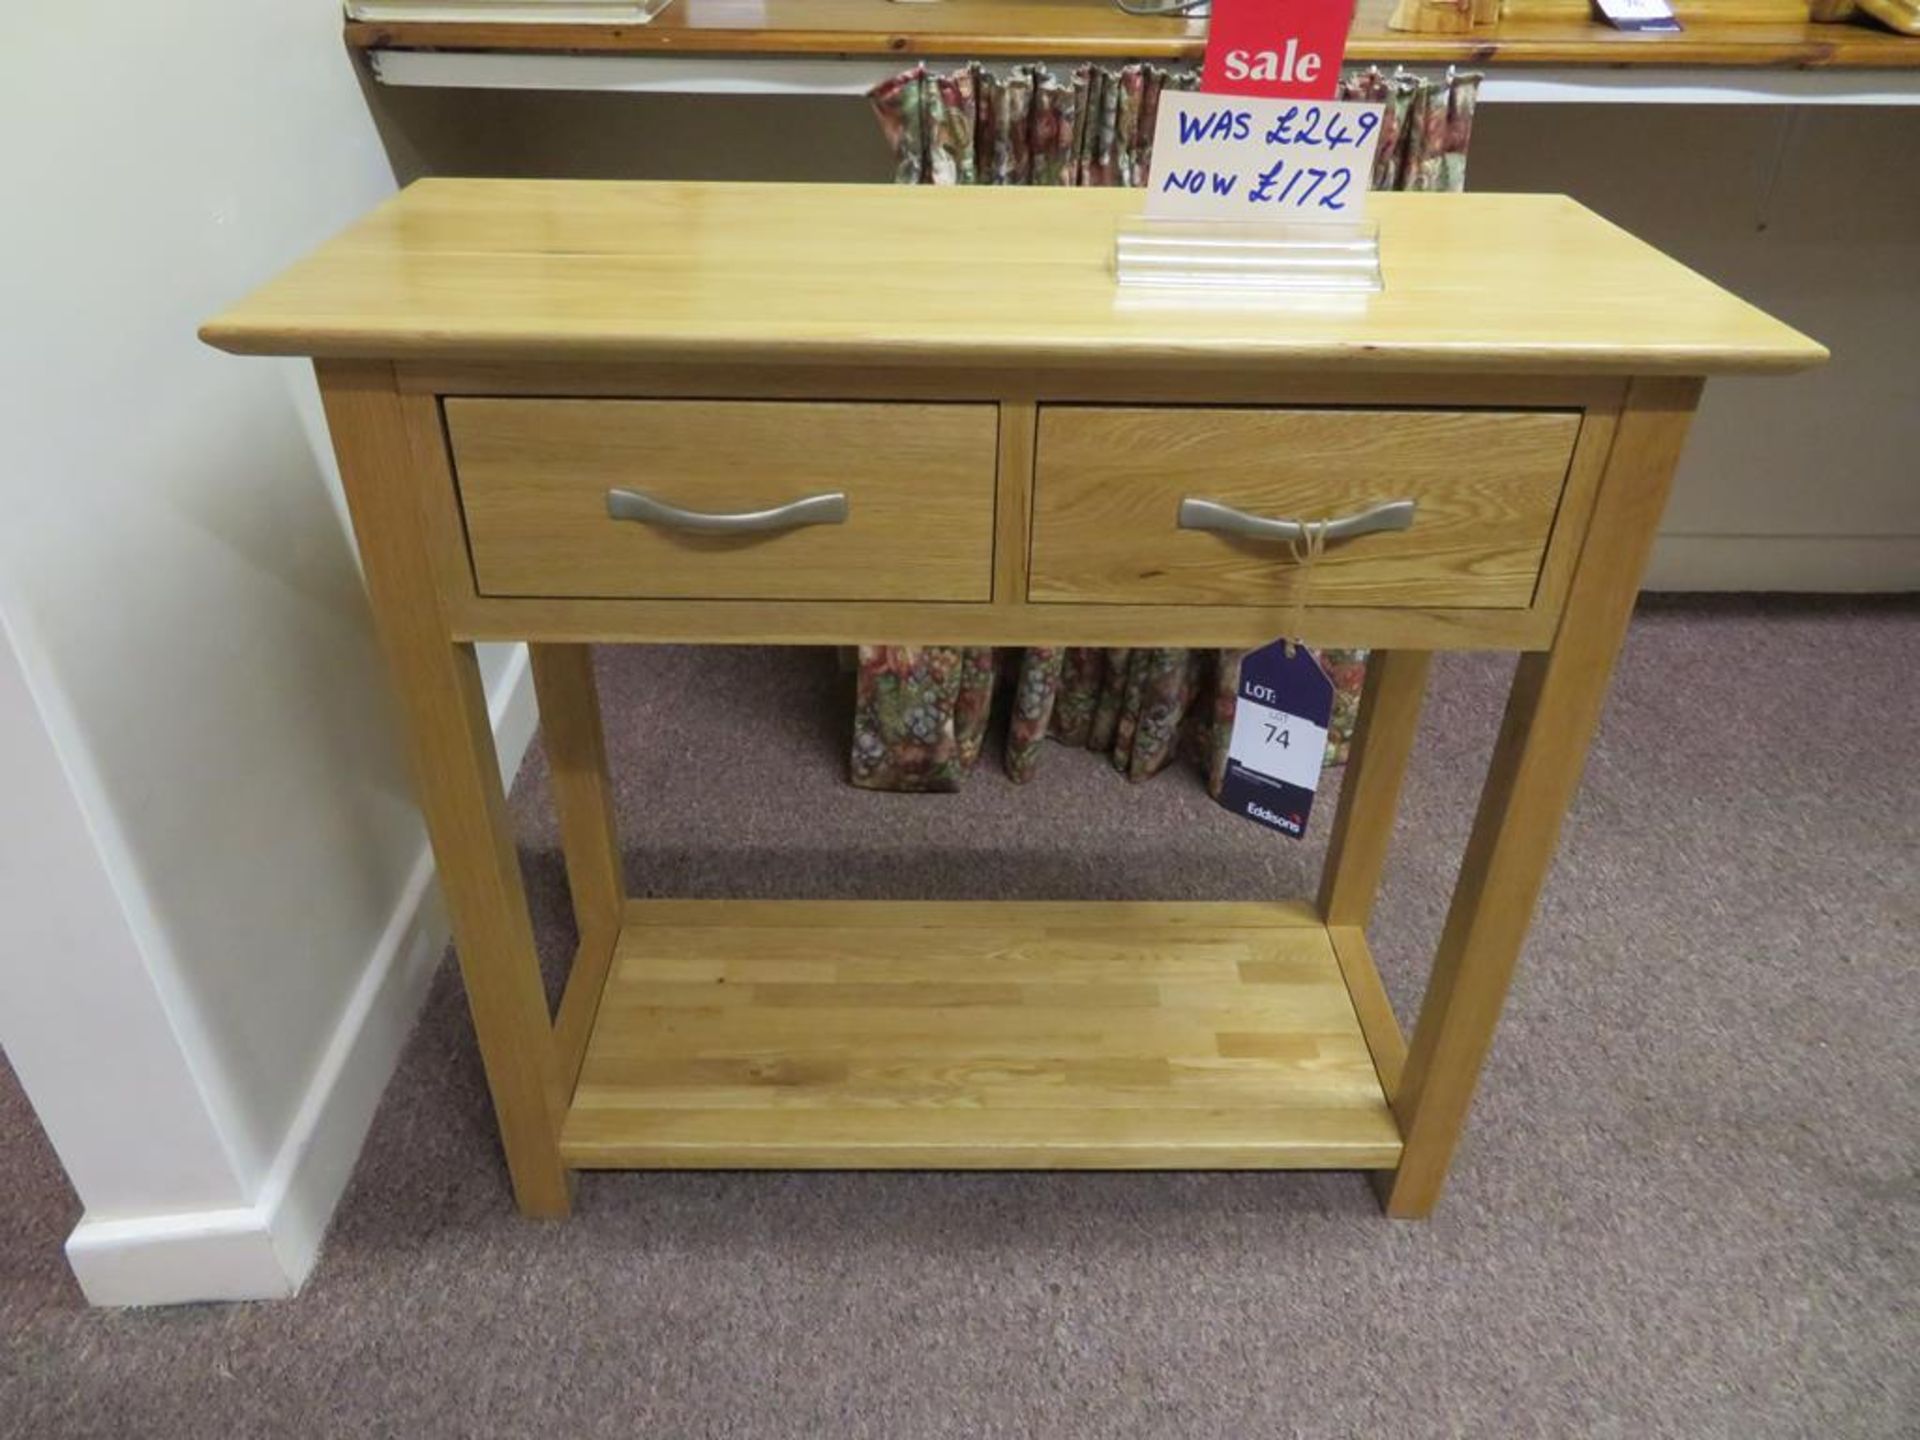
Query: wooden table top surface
[
  {"x": 1096, "y": 29},
  {"x": 879, "y": 274}
]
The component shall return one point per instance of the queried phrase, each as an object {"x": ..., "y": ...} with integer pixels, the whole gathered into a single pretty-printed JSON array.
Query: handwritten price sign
[{"x": 1218, "y": 157}]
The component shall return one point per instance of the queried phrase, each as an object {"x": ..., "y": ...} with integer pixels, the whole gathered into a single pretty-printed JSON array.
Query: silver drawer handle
[
  {"x": 1225, "y": 520},
  {"x": 828, "y": 509}
]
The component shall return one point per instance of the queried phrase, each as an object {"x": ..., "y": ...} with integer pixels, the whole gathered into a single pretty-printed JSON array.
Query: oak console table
[{"x": 572, "y": 413}]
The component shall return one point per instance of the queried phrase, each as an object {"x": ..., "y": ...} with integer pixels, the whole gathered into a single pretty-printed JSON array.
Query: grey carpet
[{"x": 1687, "y": 1204}]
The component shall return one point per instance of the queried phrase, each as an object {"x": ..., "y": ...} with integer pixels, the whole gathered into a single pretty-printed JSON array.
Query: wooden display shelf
[
  {"x": 1017, "y": 1035},
  {"x": 1095, "y": 29}
]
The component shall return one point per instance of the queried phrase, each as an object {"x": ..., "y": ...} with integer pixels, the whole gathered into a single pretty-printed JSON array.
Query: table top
[
  {"x": 1096, "y": 29},
  {"x": 555, "y": 270}
]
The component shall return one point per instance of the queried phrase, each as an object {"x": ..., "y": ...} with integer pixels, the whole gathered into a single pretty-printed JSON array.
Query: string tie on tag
[{"x": 1305, "y": 549}]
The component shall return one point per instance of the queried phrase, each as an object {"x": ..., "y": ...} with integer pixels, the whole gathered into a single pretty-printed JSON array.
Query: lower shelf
[{"x": 977, "y": 1035}]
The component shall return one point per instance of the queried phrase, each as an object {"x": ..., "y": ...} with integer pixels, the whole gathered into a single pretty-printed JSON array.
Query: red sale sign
[{"x": 1287, "y": 48}]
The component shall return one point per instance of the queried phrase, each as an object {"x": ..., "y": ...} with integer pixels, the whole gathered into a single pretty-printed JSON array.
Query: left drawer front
[{"x": 534, "y": 476}]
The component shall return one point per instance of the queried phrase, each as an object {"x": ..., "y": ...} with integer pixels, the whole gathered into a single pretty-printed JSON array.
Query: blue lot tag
[{"x": 1279, "y": 743}]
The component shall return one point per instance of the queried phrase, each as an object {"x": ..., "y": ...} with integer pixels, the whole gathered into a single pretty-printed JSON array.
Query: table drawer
[
  {"x": 1109, "y": 482},
  {"x": 916, "y": 524}
]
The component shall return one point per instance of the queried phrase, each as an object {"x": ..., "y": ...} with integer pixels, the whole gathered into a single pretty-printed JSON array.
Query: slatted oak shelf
[{"x": 875, "y": 1035}]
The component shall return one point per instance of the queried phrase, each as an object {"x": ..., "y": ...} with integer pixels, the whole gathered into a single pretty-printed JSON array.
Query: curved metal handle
[
  {"x": 828, "y": 509},
  {"x": 1225, "y": 520}
]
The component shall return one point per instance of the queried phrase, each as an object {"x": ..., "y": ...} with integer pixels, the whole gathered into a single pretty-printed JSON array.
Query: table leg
[
  {"x": 583, "y": 798},
  {"x": 1362, "y": 828},
  {"x": 1550, "y": 718},
  {"x": 457, "y": 776},
  {"x": 1396, "y": 684}
]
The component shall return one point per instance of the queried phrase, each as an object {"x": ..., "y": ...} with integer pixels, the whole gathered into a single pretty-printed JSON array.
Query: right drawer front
[{"x": 1109, "y": 481}]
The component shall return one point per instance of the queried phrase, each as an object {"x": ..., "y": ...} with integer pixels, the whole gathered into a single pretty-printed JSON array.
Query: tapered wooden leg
[
  {"x": 1362, "y": 827},
  {"x": 456, "y": 773},
  {"x": 1390, "y": 703},
  {"x": 1550, "y": 718},
  {"x": 582, "y": 795}
]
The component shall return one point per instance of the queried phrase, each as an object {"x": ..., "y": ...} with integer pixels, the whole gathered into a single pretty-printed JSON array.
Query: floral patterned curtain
[
  {"x": 921, "y": 712},
  {"x": 1029, "y": 127}
]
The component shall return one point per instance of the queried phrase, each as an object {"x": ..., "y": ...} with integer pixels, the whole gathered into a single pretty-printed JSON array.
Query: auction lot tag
[
  {"x": 1279, "y": 744},
  {"x": 1227, "y": 157}
]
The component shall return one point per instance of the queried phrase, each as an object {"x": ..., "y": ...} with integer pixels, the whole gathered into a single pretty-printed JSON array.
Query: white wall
[{"x": 188, "y": 638}]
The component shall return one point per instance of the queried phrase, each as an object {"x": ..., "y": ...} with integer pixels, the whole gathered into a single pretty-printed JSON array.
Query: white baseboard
[
  {"x": 1838, "y": 564},
  {"x": 174, "y": 1259},
  {"x": 266, "y": 1250},
  {"x": 515, "y": 715}
]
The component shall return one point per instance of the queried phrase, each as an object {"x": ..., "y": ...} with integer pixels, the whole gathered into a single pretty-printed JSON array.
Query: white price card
[
  {"x": 1654, "y": 15},
  {"x": 1288, "y": 748},
  {"x": 1238, "y": 157}
]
